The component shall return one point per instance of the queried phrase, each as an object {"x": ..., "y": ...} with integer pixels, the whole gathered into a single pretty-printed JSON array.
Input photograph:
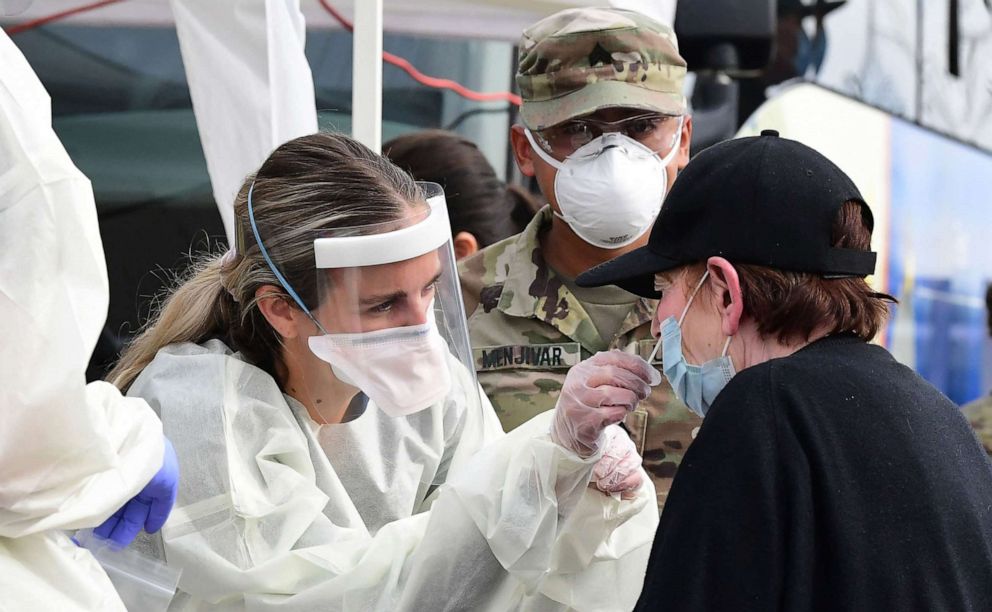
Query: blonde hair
[{"x": 317, "y": 182}]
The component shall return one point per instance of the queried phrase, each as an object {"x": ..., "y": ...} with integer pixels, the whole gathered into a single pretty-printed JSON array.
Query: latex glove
[
  {"x": 597, "y": 393},
  {"x": 149, "y": 508},
  {"x": 619, "y": 469}
]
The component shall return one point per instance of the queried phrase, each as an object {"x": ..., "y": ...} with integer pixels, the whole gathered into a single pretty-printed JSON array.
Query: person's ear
[
  {"x": 522, "y": 152},
  {"x": 682, "y": 158},
  {"x": 465, "y": 244},
  {"x": 277, "y": 309},
  {"x": 727, "y": 287}
]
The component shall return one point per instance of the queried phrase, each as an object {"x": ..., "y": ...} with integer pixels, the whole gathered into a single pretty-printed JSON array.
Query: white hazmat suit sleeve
[
  {"x": 265, "y": 521},
  {"x": 564, "y": 545},
  {"x": 70, "y": 454}
]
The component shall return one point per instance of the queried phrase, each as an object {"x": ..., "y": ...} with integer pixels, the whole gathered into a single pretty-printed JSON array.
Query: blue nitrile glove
[{"x": 149, "y": 508}]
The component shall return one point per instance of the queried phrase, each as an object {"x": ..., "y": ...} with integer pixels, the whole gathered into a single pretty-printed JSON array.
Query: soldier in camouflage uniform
[
  {"x": 528, "y": 321},
  {"x": 979, "y": 412}
]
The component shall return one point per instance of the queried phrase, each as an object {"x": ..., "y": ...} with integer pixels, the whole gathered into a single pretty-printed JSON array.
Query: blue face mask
[{"x": 696, "y": 385}]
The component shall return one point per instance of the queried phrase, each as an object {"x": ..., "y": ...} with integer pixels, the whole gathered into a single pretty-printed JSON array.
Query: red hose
[
  {"x": 389, "y": 58},
  {"x": 423, "y": 79}
]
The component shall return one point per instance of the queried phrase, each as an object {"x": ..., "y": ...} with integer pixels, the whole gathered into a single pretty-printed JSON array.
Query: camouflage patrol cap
[{"x": 578, "y": 61}]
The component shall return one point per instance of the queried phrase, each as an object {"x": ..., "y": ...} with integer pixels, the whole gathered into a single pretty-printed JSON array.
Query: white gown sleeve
[
  {"x": 70, "y": 454},
  {"x": 523, "y": 506},
  {"x": 515, "y": 527}
]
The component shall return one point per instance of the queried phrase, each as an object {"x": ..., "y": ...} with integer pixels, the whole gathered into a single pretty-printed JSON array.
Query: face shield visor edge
[{"x": 389, "y": 313}]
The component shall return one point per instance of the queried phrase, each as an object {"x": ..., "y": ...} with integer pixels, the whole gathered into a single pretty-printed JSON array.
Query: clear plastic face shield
[{"x": 388, "y": 312}]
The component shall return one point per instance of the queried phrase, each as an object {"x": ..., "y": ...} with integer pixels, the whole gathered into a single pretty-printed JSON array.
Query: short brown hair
[{"x": 790, "y": 306}]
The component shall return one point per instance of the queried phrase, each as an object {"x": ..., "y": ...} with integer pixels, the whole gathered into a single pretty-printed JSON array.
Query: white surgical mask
[
  {"x": 402, "y": 370},
  {"x": 610, "y": 190},
  {"x": 696, "y": 385}
]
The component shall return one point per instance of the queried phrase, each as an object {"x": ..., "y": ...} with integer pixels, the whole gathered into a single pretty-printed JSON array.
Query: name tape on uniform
[{"x": 527, "y": 356}]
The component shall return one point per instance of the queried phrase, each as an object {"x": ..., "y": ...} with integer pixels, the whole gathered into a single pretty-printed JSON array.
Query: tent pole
[{"x": 366, "y": 88}]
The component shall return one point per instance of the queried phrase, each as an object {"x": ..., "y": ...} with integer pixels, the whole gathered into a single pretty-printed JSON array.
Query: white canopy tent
[
  {"x": 488, "y": 19},
  {"x": 249, "y": 79}
]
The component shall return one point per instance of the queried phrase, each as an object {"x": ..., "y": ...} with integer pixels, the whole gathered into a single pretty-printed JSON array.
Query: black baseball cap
[{"x": 761, "y": 200}]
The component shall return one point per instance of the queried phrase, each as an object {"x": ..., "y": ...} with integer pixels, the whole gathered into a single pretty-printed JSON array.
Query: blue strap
[{"x": 272, "y": 265}]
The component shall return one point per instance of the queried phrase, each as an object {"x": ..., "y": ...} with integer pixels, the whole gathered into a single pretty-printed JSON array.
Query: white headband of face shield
[
  {"x": 387, "y": 247},
  {"x": 369, "y": 250}
]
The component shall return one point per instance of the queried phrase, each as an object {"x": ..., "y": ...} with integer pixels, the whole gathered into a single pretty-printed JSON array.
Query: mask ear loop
[
  {"x": 726, "y": 345},
  {"x": 541, "y": 152},
  {"x": 272, "y": 265},
  {"x": 692, "y": 296},
  {"x": 549, "y": 160}
]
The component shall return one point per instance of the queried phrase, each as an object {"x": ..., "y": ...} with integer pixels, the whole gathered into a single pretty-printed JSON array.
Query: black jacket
[{"x": 833, "y": 479}]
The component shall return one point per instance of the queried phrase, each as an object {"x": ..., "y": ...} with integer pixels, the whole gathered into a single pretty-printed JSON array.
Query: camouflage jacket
[
  {"x": 979, "y": 414},
  {"x": 527, "y": 329}
]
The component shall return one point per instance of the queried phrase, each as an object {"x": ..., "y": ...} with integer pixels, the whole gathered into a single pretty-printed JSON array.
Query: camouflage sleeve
[
  {"x": 979, "y": 414},
  {"x": 470, "y": 275}
]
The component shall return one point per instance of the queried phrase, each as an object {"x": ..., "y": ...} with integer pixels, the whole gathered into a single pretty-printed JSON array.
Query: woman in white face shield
[{"x": 317, "y": 385}]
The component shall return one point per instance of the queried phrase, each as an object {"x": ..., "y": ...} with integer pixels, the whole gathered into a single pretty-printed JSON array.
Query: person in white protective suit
[
  {"x": 336, "y": 451},
  {"x": 72, "y": 455}
]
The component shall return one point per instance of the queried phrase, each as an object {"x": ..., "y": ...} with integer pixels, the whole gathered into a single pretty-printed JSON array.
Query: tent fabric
[
  {"x": 487, "y": 19},
  {"x": 250, "y": 83}
]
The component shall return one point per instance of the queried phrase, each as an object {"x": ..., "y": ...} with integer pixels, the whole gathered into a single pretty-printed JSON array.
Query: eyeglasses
[{"x": 655, "y": 131}]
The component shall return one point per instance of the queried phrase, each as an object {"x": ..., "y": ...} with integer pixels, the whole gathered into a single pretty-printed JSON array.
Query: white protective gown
[
  {"x": 70, "y": 454},
  {"x": 278, "y": 513}
]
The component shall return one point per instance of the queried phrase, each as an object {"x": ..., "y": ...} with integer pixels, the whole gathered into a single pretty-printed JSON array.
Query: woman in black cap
[{"x": 825, "y": 476}]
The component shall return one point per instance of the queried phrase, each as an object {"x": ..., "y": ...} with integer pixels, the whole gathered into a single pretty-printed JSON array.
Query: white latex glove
[
  {"x": 597, "y": 393},
  {"x": 619, "y": 469}
]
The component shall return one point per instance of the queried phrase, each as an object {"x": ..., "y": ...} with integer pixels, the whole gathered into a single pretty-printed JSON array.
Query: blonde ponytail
[{"x": 199, "y": 307}]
